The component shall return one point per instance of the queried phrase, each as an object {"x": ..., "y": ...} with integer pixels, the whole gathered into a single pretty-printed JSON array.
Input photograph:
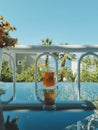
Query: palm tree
[
  {"x": 46, "y": 42},
  {"x": 66, "y": 56}
]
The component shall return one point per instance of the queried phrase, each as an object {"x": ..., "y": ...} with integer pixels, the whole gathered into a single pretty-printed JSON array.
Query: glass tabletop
[
  {"x": 88, "y": 123},
  {"x": 46, "y": 120}
]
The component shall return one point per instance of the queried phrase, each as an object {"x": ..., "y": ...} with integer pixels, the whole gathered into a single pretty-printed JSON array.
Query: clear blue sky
[{"x": 71, "y": 21}]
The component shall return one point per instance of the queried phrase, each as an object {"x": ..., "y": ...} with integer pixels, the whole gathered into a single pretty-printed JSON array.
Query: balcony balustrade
[{"x": 84, "y": 50}]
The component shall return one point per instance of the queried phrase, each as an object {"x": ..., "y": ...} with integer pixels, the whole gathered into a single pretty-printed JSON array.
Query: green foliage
[
  {"x": 27, "y": 75},
  {"x": 65, "y": 74},
  {"x": 6, "y": 72},
  {"x": 87, "y": 74}
]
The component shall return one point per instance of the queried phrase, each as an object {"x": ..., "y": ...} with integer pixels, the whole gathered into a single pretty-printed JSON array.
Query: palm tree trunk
[
  {"x": 47, "y": 61},
  {"x": 63, "y": 63}
]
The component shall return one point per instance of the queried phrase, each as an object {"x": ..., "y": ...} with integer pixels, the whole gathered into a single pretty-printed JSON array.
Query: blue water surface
[
  {"x": 25, "y": 92},
  {"x": 45, "y": 120}
]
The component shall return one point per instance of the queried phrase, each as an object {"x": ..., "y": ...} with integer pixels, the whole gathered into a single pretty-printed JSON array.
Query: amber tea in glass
[{"x": 49, "y": 79}]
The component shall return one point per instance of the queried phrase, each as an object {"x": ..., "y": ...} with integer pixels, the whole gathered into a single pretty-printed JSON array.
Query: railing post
[
  {"x": 79, "y": 63},
  {"x": 14, "y": 80},
  {"x": 36, "y": 71}
]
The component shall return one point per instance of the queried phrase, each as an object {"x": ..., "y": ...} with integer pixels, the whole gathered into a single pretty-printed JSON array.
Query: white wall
[{"x": 74, "y": 66}]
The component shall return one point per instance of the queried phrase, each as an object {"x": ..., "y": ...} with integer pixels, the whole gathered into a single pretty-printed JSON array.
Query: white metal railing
[
  {"x": 79, "y": 62},
  {"x": 14, "y": 80},
  {"x": 85, "y": 49},
  {"x": 54, "y": 48},
  {"x": 56, "y": 65}
]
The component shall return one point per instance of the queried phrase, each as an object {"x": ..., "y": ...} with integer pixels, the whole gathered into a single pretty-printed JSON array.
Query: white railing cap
[{"x": 54, "y": 48}]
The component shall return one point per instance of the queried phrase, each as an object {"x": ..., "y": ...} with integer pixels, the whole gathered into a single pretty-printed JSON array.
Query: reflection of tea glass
[
  {"x": 49, "y": 91},
  {"x": 49, "y": 99}
]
